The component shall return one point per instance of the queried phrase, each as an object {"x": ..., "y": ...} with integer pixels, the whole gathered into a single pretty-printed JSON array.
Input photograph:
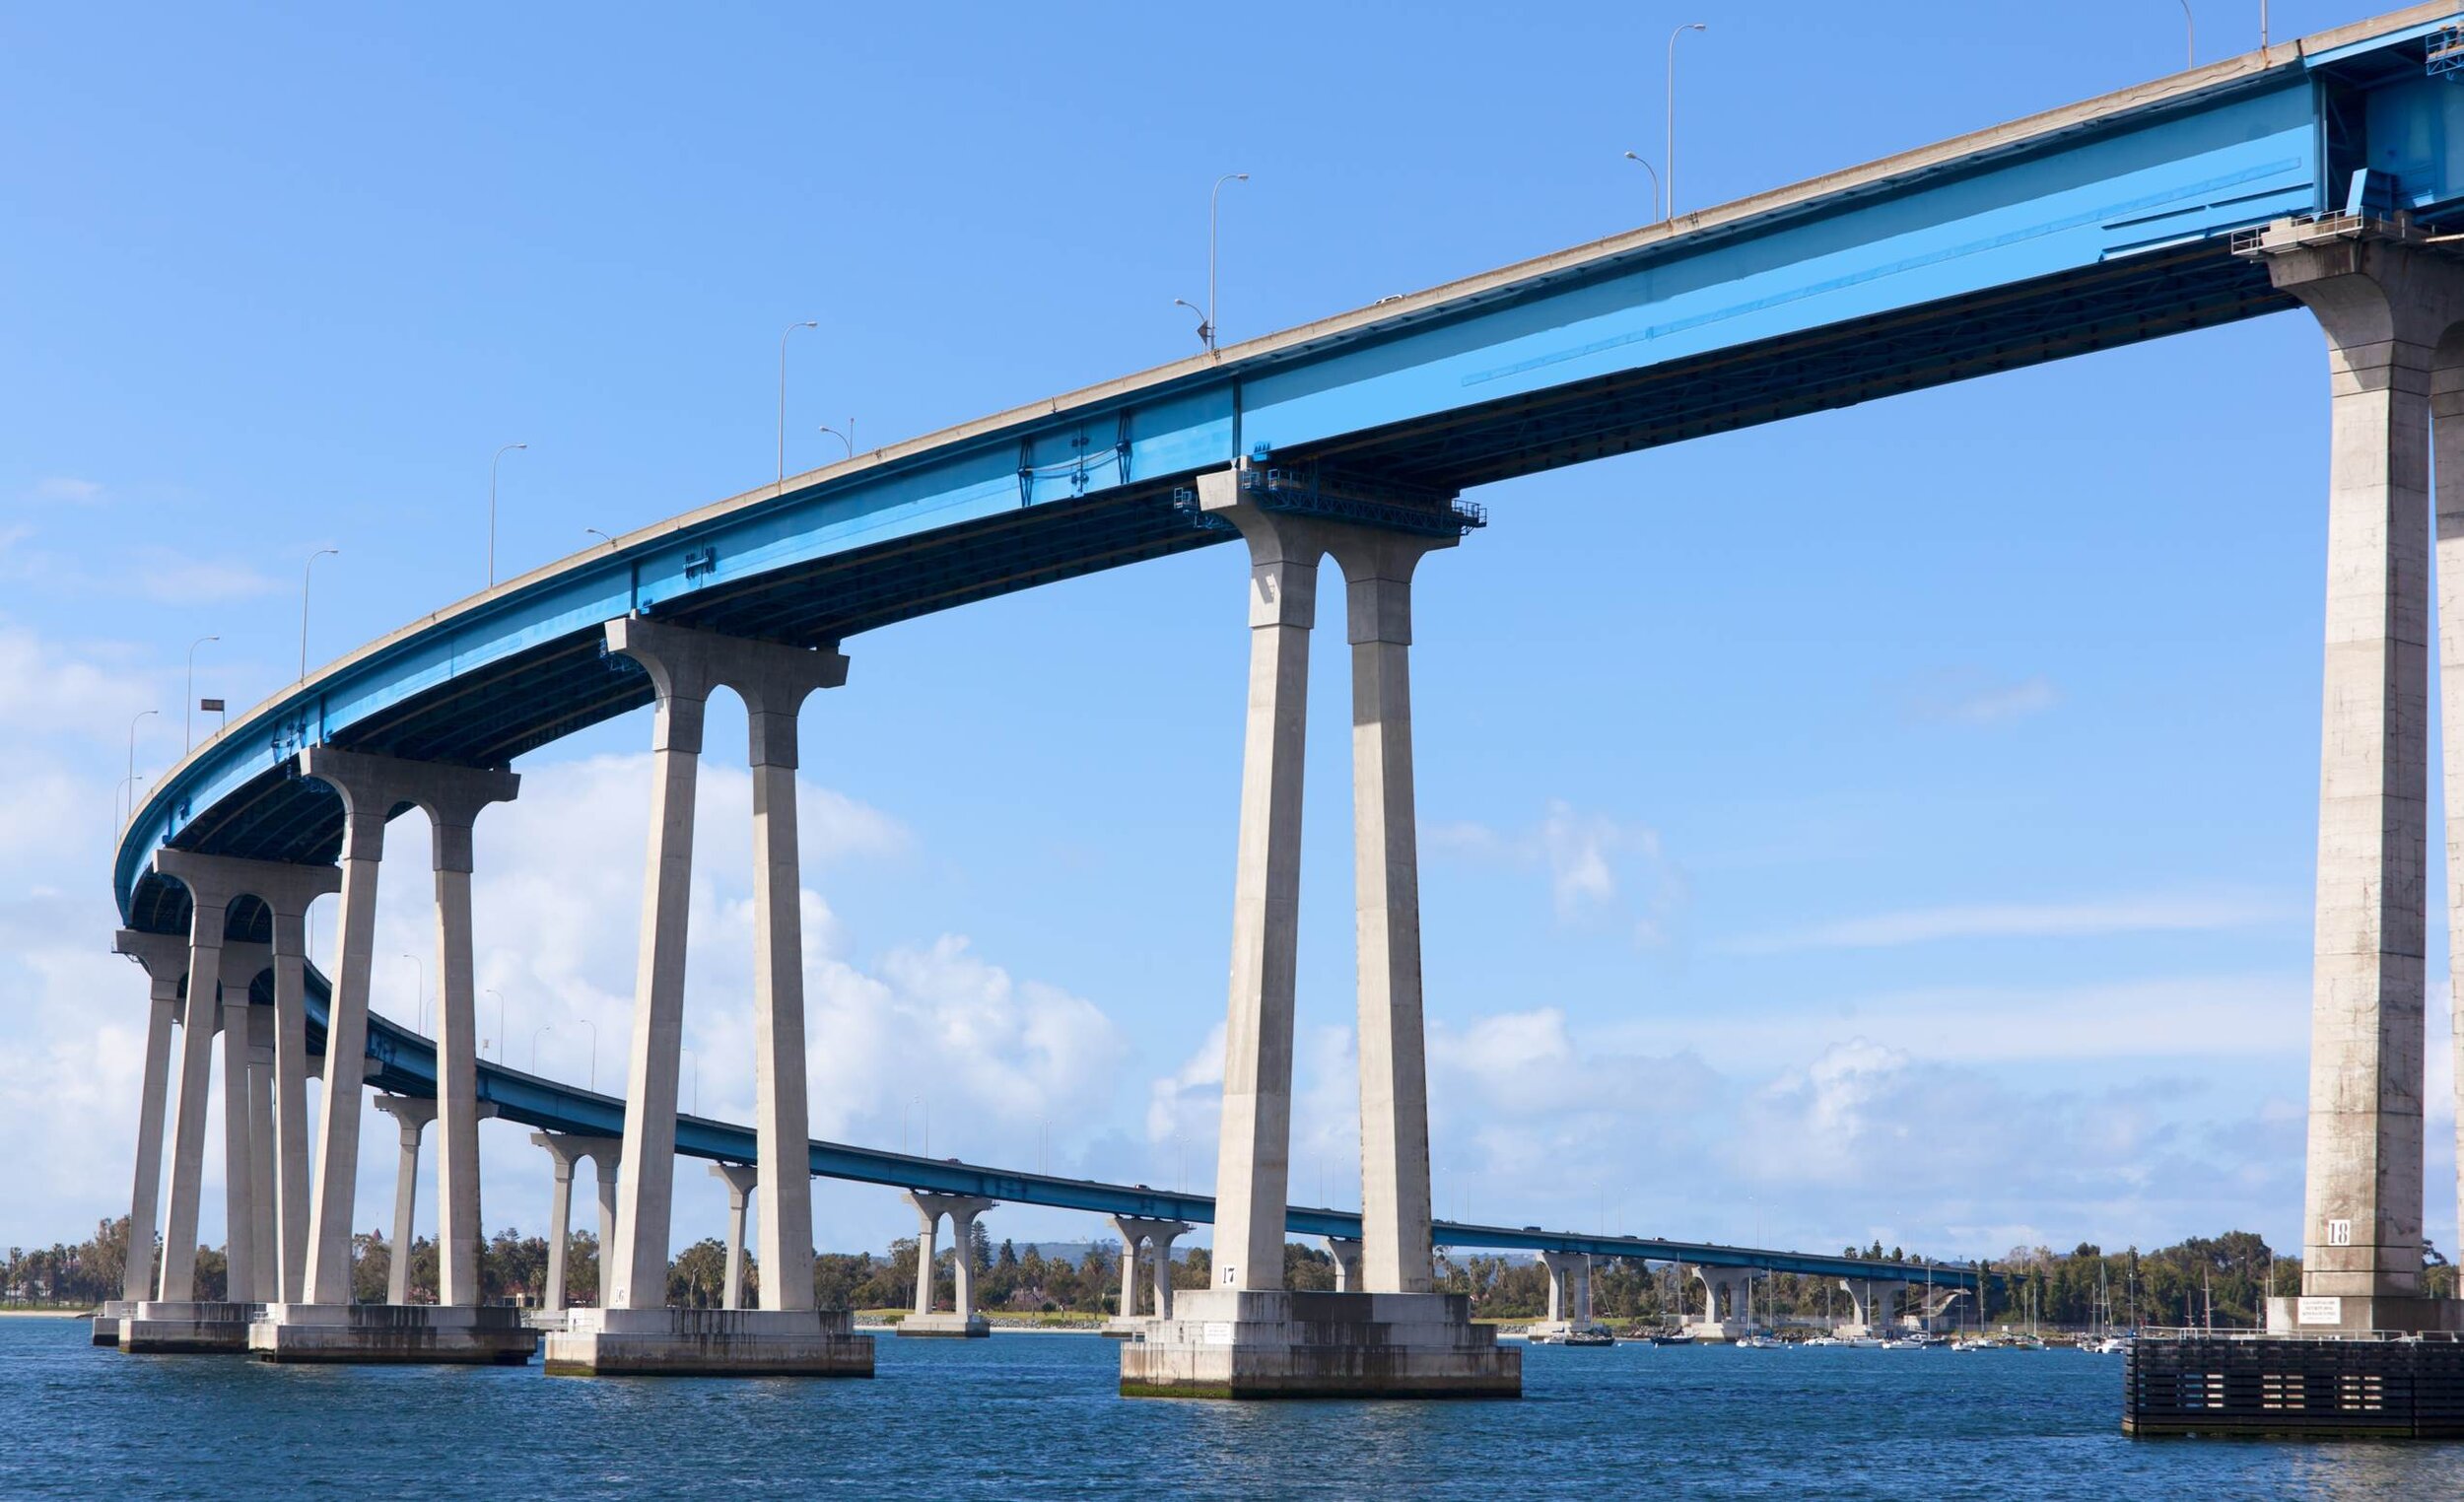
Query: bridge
[{"x": 2312, "y": 175}]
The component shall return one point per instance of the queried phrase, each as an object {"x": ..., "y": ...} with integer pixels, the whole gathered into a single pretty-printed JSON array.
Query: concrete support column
[
  {"x": 2446, "y": 406},
  {"x": 166, "y": 961},
  {"x": 774, "y": 683},
  {"x": 1345, "y": 1250},
  {"x": 207, "y": 914},
  {"x": 413, "y": 1113},
  {"x": 1556, "y": 1288},
  {"x": 238, "y": 1206},
  {"x": 453, "y": 803},
  {"x": 1396, "y": 1253},
  {"x": 741, "y": 1179},
  {"x": 927, "y": 1251},
  {"x": 560, "y": 1224},
  {"x": 2385, "y": 308},
  {"x": 609, "y": 1166},
  {"x": 963, "y": 1262},
  {"x": 291, "y": 1070},
  {"x": 1254, "y": 1167},
  {"x": 1569, "y": 1286},
  {"x": 264, "y": 1238},
  {"x": 1162, "y": 1241},
  {"x": 685, "y": 665},
  {"x": 365, "y": 810},
  {"x": 1131, "y": 1236}
]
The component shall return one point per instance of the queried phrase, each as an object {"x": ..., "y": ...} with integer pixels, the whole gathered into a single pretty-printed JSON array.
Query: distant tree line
[{"x": 2171, "y": 1285}]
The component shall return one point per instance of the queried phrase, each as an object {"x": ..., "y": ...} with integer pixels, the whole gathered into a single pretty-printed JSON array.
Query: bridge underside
[{"x": 490, "y": 715}]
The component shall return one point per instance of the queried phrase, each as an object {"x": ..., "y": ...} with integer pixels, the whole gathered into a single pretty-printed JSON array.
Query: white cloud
[
  {"x": 2154, "y": 913},
  {"x": 68, "y": 490},
  {"x": 1965, "y": 696},
  {"x": 1600, "y": 869}
]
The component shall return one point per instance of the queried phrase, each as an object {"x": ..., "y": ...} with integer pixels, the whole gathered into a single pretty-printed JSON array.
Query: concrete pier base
[
  {"x": 1126, "y": 1327},
  {"x": 2288, "y": 1315},
  {"x": 106, "y": 1320},
  {"x": 708, "y": 1343},
  {"x": 186, "y": 1328},
  {"x": 948, "y": 1324},
  {"x": 1717, "y": 1331},
  {"x": 407, "y": 1334},
  {"x": 1224, "y": 1342}
]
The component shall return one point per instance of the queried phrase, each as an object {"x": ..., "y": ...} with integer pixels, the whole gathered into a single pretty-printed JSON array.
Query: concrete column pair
[
  {"x": 685, "y": 666},
  {"x": 1569, "y": 1286},
  {"x": 411, "y": 1113},
  {"x": 2393, "y": 312},
  {"x": 1253, "y": 1170},
  {"x": 962, "y": 1212},
  {"x": 741, "y": 1178},
  {"x": 371, "y": 789},
  {"x": 1137, "y": 1232},
  {"x": 215, "y": 883},
  {"x": 563, "y": 1150}
]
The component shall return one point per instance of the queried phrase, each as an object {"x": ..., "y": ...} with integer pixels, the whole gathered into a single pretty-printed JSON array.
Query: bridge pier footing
[
  {"x": 708, "y": 1343},
  {"x": 185, "y": 1327},
  {"x": 1231, "y": 1343},
  {"x": 380, "y": 1334}
]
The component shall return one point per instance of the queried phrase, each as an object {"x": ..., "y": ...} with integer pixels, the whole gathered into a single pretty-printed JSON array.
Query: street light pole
[
  {"x": 544, "y": 1027},
  {"x": 492, "y": 465},
  {"x": 782, "y": 396},
  {"x": 2190, "y": 25},
  {"x": 594, "y": 1050},
  {"x": 188, "y": 708},
  {"x": 1667, "y": 158},
  {"x": 305, "y": 574},
  {"x": 1654, "y": 182},
  {"x": 1215, "y": 202},
  {"x": 847, "y": 438},
  {"x": 420, "y": 997},
  {"x": 132, "y": 760}
]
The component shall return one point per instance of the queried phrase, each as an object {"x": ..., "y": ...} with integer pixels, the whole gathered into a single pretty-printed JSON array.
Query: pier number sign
[
  {"x": 2340, "y": 1233},
  {"x": 2315, "y": 1309}
]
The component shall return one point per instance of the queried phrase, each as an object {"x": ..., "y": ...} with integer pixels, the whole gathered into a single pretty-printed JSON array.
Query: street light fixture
[
  {"x": 492, "y": 465},
  {"x": 2190, "y": 29},
  {"x": 1655, "y": 181},
  {"x": 601, "y": 536},
  {"x": 188, "y": 708},
  {"x": 594, "y": 1050},
  {"x": 305, "y": 574},
  {"x": 1207, "y": 326},
  {"x": 782, "y": 396},
  {"x": 1667, "y": 158},
  {"x": 847, "y": 438},
  {"x": 544, "y": 1027}
]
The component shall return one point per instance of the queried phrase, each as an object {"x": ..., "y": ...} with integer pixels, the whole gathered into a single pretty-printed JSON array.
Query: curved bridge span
[{"x": 2316, "y": 174}]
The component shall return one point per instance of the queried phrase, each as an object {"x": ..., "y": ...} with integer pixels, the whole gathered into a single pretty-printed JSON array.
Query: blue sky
[{"x": 1895, "y": 822}]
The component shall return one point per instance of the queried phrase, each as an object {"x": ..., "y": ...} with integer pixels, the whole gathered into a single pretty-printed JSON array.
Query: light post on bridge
[
  {"x": 419, "y": 998},
  {"x": 1667, "y": 158},
  {"x": 133, "y": 761},
  {"x": 1638, "y": 160},
  {"x": 594, "y": 1051},
  {"x": 188, "y": 704},
  {"x": 782, "y": 396},
  {"x": 2190, "y": 29},
  {"x": 492, "y": 465},
  {"x": 601, "y": 536},
  {"x": 847, "y": 438},
  {"x": 305, "y": 573},
  {"x": 1208, "y": 329},
  {"x": 544, "y": 1027}
]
